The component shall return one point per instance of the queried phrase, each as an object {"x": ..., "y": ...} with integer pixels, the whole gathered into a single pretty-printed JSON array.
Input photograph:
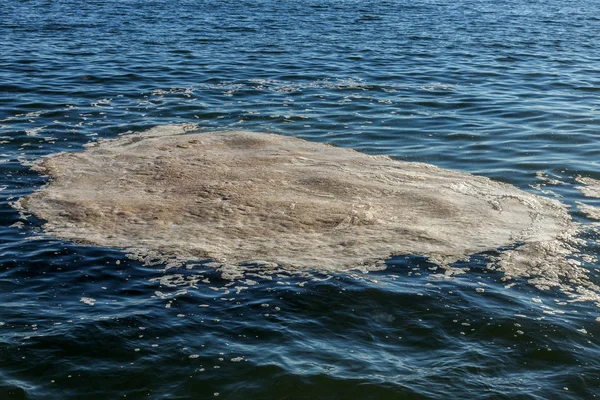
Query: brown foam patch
[{"x": 237, "y": 196}]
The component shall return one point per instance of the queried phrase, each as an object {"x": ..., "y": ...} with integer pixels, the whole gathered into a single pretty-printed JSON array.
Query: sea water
[{"x": 505, "y": 90}]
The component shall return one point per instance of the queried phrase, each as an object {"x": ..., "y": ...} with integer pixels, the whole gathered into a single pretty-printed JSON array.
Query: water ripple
[{"x": 507, "y": 90}]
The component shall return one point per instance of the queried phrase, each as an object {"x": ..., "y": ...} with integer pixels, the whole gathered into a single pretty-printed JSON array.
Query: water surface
[{"x": 507, "y": 90}]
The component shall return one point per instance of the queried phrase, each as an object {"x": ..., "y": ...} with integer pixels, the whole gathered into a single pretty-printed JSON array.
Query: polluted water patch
[{"x": 174, "y": 194}]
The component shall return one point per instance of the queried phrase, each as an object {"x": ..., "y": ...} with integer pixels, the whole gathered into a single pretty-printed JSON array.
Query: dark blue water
[{"x": 503, "y": 89}]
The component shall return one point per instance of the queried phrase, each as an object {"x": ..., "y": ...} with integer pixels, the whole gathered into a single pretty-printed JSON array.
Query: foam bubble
[
  {"x": 237, "y": 197},
  {"x": 88, "y": 300},
  {"x": 590, "y": 211},
  {"x": 591, "y": 186}
]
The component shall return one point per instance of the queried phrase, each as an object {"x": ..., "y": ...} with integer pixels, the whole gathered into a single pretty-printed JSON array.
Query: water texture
[{"x": 507, "y": 90}]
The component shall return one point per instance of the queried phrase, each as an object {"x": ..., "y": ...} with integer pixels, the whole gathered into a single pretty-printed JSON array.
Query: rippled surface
[{"x": 505, "y": 90}]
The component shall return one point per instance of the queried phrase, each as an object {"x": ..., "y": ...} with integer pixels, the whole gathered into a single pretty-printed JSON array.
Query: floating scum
[{"x": 237, "y": 196}]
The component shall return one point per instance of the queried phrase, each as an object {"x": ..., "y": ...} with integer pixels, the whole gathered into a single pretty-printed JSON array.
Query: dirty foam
[
  {"x": 237, "y": 197},
  {"x": 591, "y": 186}
]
